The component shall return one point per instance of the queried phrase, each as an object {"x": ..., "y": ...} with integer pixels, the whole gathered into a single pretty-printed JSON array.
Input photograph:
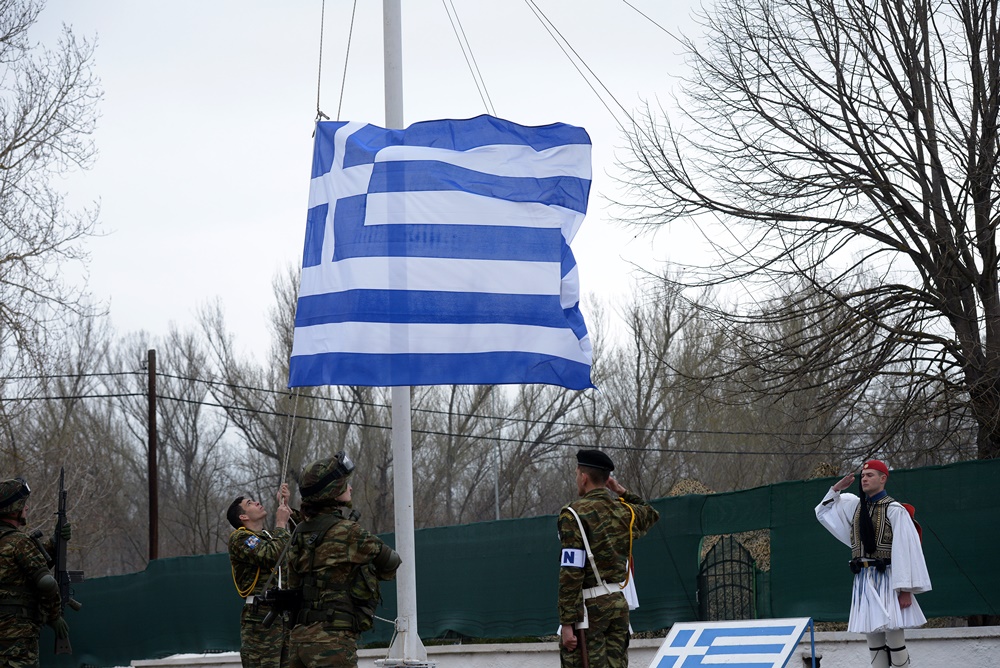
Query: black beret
[{"x": 595, "y": 459}]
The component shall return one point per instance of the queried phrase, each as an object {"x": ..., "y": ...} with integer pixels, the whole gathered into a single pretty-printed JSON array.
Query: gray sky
[{"x": 205, "y": 131}]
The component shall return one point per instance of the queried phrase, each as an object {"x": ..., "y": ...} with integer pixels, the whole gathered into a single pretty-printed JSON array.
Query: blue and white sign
[{"x": 757, "y": 643}]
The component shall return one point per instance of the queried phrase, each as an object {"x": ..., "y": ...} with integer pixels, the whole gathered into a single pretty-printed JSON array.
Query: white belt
[
  {"x": 249, "y": 600},
  {"x": 601, "y": 590}
]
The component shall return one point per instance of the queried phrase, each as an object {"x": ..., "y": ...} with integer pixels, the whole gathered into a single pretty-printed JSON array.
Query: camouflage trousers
[
  {"x": 319, "y": 646},
  {"x": 19, "y": 652},
  {"x": 262, "y": 647},
  {"x": 607, "y": 637}
]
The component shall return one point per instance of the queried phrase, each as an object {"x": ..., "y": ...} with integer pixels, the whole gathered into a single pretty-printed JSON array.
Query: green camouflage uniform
[
  {"x": 253, "y": 556},
  {"x": 606, "y": 520},
  {"x": 329, "y": 564},
  {"x": 23, "y": 609}
]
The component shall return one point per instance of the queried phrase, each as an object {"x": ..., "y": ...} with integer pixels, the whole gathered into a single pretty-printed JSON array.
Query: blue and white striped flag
[{"x": 439, "y": 254}]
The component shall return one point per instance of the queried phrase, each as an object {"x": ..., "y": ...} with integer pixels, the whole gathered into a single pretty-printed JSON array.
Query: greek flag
[
  {"x": 439, "y": 254},
  {"x": 758, "y": 643}
]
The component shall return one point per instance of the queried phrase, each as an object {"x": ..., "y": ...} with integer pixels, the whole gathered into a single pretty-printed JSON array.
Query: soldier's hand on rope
[
  {"x": 283, "y": 494},
  {"x": 281, "y": 516}
]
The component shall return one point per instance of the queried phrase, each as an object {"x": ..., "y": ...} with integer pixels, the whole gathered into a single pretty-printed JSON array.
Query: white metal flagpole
[{"x": 406, "y": 648}]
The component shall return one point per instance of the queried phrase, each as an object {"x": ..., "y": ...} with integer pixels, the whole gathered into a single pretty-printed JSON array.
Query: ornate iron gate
[{"x": 726, "y": 582}]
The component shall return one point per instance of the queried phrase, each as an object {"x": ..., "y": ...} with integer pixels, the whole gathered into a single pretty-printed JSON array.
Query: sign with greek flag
[
  {"x": 757, "y": 643},
  {"x": 439, "y": 254}
]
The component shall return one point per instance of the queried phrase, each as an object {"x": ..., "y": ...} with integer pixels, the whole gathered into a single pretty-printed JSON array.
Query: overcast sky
[{"x": 205, "y": 132}]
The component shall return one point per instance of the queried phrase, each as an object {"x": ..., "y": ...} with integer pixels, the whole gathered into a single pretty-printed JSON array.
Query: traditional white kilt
[{"x": 875, "y": 606}]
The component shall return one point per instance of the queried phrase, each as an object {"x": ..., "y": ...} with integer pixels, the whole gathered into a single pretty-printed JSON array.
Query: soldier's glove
[
  {"x": 61, "y": 628},
  {"x": 66, "y": 532}
]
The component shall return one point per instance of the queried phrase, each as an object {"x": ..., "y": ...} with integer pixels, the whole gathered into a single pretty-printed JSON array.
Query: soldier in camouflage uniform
[
  {"x": 337, "y": 566},
  {"x": 29, "y": 594},
  {"x": 590, "y": 596},
  {"x": 253, "y": 554}
]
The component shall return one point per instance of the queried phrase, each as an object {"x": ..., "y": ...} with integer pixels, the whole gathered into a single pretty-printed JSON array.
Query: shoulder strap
[
  {"x": 586, "y": 546},
  {"x": 6, "y": 529},
  {"x": 318, "y": 526},
  {"x": 313, "y": 531}
]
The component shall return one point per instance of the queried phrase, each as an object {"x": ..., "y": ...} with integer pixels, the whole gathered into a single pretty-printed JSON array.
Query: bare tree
[
  {"x": 852, "y": 147},
  {"x": 48, "y": 105}
]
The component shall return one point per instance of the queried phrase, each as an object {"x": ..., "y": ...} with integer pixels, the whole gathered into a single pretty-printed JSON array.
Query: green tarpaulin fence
[{"x": 498, "y": 579}]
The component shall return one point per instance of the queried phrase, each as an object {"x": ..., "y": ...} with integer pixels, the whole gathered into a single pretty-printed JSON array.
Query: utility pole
[{"x": 154, "y": 503}]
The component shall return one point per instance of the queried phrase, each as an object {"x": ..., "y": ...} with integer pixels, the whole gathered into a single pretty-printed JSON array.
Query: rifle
[
  {"x": 64, "y": 577},
  {"x": 581, "y": 635},
  {"x": 277, "y": 599}
]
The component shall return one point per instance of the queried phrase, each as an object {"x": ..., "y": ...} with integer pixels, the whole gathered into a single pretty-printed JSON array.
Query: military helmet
[
  {"x": 325, "y": 479},
  {"x": 13, "y": 494}
]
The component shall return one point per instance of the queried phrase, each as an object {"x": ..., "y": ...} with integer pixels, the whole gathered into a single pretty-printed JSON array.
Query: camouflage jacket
[
  {"x": 606, "y": 520},
  {"x": 21, "y": 563},
  {"x": 253, "y": 556},
  {"x": 325, "y": 567}
]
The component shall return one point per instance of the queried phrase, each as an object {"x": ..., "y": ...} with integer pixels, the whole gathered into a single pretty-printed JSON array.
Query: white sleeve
[
  {"x": 836, "y": 512},
  {"x": 909, "y": 570}
]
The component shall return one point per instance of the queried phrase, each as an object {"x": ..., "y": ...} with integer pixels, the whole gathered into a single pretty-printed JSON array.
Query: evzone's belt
[
  {"x": 601, "y": 590},
  {"x": 859, "y": 563}
]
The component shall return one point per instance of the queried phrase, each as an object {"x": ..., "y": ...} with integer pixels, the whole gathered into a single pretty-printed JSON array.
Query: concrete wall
[{"x": 929, "y": 648}]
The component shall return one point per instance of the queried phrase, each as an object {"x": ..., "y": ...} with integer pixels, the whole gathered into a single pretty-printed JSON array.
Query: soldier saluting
[
  {"x": 596, "y": 532},
  {"x": 29, "y": 594}
]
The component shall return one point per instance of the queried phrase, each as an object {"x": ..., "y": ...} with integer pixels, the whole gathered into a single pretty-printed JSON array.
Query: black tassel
[{"x": 866, "y": 527}]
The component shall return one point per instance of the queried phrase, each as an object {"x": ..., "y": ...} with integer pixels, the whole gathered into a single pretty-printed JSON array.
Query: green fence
[{"x": 498, "y": 579}]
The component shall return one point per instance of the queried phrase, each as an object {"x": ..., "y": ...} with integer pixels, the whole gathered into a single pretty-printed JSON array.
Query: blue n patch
[{"x": 572, "y": 558}]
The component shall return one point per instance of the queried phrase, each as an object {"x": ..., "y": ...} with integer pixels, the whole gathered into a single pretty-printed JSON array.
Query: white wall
[{"x": 929, "y": 648}]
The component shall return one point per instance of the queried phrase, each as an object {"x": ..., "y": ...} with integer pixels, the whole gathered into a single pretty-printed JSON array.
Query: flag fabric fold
[{"x": 440, "y": 254}]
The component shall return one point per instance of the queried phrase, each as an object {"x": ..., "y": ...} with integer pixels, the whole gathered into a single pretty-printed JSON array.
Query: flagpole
[{"x": 406, "y": 648}]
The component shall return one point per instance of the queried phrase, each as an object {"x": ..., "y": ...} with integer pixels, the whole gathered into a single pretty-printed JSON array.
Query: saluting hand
[
  {"x": 844, "y": 483},
  {"x": 615, "y": 486}
]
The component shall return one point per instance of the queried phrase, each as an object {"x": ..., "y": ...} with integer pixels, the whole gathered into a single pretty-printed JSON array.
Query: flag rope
[
  {"x": 291, "y": 430},
  {"x": 347, "y": 55},
  {"x": 319, "y": 67}
]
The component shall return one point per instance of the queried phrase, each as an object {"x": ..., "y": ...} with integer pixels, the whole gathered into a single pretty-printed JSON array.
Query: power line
[
  {"x": 72, "y": 397},
  {"x": 431, "y": 432},
  {"x": 645, "y": 16},
  {"x": 667, "y": 431},
  {"x": 71, "y": 375},
  {"x": 650, "y": 430}
]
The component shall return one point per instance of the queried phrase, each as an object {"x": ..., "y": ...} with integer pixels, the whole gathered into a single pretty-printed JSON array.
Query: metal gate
[{"x": 726, "y": 582}]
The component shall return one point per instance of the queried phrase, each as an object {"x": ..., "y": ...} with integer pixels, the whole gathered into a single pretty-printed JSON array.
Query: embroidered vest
[{"x": 883, "y": 530}]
